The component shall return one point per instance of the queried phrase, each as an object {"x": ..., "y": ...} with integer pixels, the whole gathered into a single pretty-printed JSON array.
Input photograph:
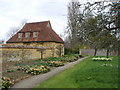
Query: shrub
[{"x": 71, "y": 51}]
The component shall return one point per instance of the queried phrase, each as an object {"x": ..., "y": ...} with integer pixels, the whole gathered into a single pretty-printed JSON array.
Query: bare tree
[
  {"x": 73, "y": 21},
  {"x": 105, "y": 17},
  {"x": 14, "y": 30}
]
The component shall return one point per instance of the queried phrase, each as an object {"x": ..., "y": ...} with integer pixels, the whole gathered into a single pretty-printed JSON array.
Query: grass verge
[{"x": 86, "y": 74}]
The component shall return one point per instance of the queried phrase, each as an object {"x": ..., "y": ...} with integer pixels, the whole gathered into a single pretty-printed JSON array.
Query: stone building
[{"x": 38, "y": 39}]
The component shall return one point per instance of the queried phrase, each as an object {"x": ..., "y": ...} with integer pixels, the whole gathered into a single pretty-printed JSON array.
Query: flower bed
[
  {"x": 34, "y": 69},
  {"x": 55, "y": 63},
  {"x": 6, "y": 82},
  {"x": 102, "y": 59},
  {"x": 69, "y": 59},
  {"x": 66, "y": 58},
  {"x": 20, "y": 70}
]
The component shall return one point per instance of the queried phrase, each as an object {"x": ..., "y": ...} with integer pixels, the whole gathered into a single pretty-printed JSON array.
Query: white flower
[{"x": 102, "y": 59}]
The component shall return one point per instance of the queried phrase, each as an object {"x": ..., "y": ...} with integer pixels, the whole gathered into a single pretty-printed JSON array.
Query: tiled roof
[{"x": 45, "y": 33}]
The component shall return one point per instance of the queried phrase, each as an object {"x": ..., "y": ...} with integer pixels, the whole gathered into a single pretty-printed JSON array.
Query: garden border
[{"x": 36, "y": 80}]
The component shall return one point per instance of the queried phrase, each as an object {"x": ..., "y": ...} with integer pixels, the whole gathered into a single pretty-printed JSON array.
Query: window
[
  {"x": 27, "y": 35},
  {"x": 35, "y": 34},
  {"x": 19, "y": 35}
]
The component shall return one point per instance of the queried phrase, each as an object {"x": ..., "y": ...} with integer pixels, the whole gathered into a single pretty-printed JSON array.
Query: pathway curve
[{"x": 36, "y": 80}]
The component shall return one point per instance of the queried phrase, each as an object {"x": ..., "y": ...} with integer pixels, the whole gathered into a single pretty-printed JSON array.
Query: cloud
[{"x": 12, "y": 13}]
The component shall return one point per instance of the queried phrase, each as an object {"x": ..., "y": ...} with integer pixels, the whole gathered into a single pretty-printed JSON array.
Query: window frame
[
  {"x": 27, "y": 34},
  {"x": 35, "y": 34},
  {"x": 20, "y": 35}
]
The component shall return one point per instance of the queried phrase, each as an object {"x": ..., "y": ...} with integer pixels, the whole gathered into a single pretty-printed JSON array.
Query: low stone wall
[
  {"x": 16, "y": 54},
  {"x": 99, "y": 52}
]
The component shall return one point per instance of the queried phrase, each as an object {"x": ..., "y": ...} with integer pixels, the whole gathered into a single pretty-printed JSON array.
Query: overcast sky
[{"x": 13, "y": 12}]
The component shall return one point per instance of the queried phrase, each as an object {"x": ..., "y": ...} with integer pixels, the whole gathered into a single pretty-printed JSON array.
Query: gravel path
[{"x": 36, "y": 80}]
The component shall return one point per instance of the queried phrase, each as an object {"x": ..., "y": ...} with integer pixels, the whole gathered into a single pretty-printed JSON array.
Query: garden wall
[
  {"x": 16, "y": 54},
  {"x": 20, "y": 52},
  {"x": 99, "y": 52}
]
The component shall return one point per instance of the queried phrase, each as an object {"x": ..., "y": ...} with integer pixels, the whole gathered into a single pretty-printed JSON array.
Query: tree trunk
[
  {"x": 107, "y": 53},
  {"x": 80, "y": 51},
  {"x": 95, "y": 52}
]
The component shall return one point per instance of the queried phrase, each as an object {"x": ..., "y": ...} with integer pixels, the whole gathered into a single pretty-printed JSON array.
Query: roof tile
[{"x": 45, "y": 33}]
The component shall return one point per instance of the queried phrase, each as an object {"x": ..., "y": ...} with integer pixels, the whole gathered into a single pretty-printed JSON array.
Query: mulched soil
[
  {"x": 9, "y": 69},
  {"x": 15, "y": 75}
]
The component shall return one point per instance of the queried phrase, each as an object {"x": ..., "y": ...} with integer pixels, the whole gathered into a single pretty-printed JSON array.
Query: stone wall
[
  {"x": 99, "y": 52},
  {"x": 16, "y": 54},
  {"x": 29, "y": 52},
  {"x": 56, "y": 47}
]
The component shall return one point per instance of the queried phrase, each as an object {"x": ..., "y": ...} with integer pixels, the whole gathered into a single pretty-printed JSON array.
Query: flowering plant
[
  {"x": 6, "y": 82},
  {"x": 69, "y": 59},
  {"x": 55, "y": 63},
  {"x": 102, "y": 59},
  {"x": 34, "y": 69}
]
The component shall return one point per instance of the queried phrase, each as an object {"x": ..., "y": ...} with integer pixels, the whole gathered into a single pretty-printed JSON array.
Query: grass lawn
[{"x": 86, "y": 74}]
